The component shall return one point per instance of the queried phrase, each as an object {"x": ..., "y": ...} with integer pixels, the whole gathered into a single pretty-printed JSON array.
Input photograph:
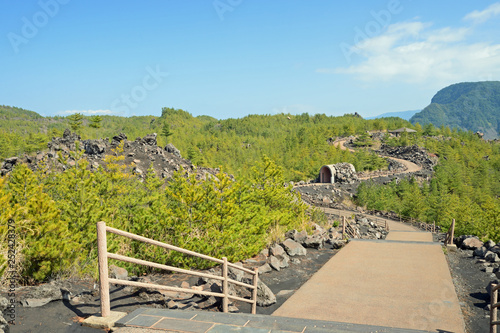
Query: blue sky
[{"x": 231, "y": 58}]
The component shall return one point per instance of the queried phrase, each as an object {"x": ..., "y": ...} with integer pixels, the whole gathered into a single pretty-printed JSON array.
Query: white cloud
[
  {"x": 484, "y": 15},
  {"x": 416, "y": 52},
  {"x": 86, "y": 112}
]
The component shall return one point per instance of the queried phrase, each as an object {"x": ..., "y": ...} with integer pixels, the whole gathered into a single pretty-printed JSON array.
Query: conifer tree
[
  {"x": 95, "y": 121},
  {"x": 166, "y": 131},
  {"x": 47, "y": 246},
  {"x": 6, "y": 213},
  {"x": 75, "y": 121}
]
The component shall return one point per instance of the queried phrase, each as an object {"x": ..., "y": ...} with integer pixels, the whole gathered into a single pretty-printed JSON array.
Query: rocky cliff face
[{"x": 138, "y": 155}]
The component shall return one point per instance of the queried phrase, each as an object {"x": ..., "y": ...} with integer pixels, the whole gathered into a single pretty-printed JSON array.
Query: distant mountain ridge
[
  {"x": 471, "y": 106},
  {"x": 406, "y": 115}
]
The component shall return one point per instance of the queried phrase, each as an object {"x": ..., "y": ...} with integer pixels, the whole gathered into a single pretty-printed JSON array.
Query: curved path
[
  {"x": 402, "y": 282},
  {"x": 410, "y": 166}
]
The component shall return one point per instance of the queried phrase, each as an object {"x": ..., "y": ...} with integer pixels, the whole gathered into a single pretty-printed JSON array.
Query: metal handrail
[{"x": 104, "y": 280}]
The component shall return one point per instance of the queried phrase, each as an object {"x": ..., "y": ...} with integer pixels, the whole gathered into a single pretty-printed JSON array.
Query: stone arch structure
[{"x": 327, "y": 174}]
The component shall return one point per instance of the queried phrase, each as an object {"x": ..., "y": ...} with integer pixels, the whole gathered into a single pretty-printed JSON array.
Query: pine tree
[
  {"x": 95, "y": 121},
  {"x": 6, "y": 213},
  {"x": 166, "y": 131},
  {"x": 75, "y": 121},
  {"x": 47, "y": 246}
]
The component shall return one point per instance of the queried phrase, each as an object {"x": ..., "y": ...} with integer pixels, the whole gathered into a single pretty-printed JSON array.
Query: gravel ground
[
  {"x": 64, "y": 316},
  {"x": 470, "y": 285}
]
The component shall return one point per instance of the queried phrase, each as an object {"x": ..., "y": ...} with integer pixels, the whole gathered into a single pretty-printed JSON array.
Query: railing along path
[
  {"x": 348, "y": 229},
  {"x": 494, "y": 322},
  {"x": 450, "y": 234},
  {"x": 104, "y": 280}
]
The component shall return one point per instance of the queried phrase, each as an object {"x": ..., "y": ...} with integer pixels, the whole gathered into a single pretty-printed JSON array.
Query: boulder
[
  {"x": 471, "y": 243},
  {"x": 293, "y": 248},
  {"x": 94, "y": 147},
  {"x": 265, "y": 296},
  {"x": 265, "y": 268},
  {"x": 4, "y": 325},
  {"x": 170, "y": 148},
  {"x": 118, "y": 272},
  {"x": 120, "y": 137},
  {"x": 337, "y": 244},
  {"x": 274, "y": 263},
  {"x": 318, "y": 229},
  {"x": 284, "y": 260},
  {"x": 291, "y": 234},
  {"x": 345, "y": 173},
  {"x": 489, "y": 244},
  {"x": 300, "y": 237},
  {"x": 172, "y": 304},
  {"x": 236, "y": 274},
  {"x": 495, "y": 249},
  {"x": 491, "y": 257},
  {"x": 276, "y": 250},
  {"x": 8, "y": 163},
  {"x": 334, "y": 234},
  {"x": 480, "y": 252},
  {"x": 150, "y": 139},
  {"x": 314, "y": 242}
]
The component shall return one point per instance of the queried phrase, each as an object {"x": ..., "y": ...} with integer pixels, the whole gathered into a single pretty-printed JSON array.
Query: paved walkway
[
  {"x": 398, "y": 285},
  {"x": 402, "y": 282},
  {"x": 155, "y": 320}
]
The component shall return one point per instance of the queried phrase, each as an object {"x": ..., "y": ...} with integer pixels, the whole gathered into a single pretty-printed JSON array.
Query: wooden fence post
[
  {"x": 493, "y": 311},
  {"x": 343, "y": 226},
  {"x": 254, "y": 293},
  {"x": 433, "y": 226},
  {"x": 225, "y": 289},
  {"x": 102, "y": 253},
  {"x": 452, "y": 232}
]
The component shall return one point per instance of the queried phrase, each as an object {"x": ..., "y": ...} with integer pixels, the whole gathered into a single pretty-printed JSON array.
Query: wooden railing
[
  {"x": 104, "y": 280},
  {"x": 494, "y": 322},
  {"x": 349, "y": 229},
  {"x": 381, "y": 223},
  {"x": 427, "y": 227},
  {"x": 450, "y": 234}
]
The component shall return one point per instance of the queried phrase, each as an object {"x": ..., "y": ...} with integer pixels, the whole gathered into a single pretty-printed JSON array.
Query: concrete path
[
  {"x": 402, "y": 282},
  {"x": 157, "y": 320}
]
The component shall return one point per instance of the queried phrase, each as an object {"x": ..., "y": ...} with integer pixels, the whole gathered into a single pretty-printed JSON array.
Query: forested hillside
[
  {"x": 465, "y": 187},
  {"x": 471, "y": 106},
  {"x": 297, "y": 143},
  {"x": 54, "y": 213}
]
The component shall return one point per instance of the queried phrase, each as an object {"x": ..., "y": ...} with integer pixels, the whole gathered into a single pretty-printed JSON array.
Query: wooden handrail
[
  {"x": 450, "y": 234},
  {"x": 104, "y": 280},
  {"x": 349, "y": 229},
  {"x": 494, "y": 322},
  {"x": 157, "y": 243}
]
